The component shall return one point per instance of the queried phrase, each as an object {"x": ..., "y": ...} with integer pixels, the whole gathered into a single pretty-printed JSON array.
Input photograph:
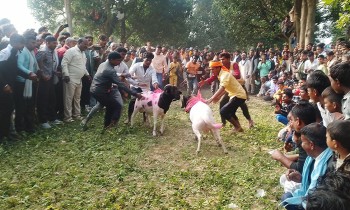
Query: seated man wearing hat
[{"x": 234, "y": 89}]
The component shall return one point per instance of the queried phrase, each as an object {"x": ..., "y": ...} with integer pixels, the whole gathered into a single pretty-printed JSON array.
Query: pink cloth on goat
[{"x": 193, "y": 100}]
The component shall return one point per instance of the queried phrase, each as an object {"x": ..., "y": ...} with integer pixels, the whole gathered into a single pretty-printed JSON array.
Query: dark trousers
[
  {"x": 6, "y": 109},
  {"x": 228, "y": 110},
  {"x": 132, "y": 102},
  {"x": 46, "y": 102},
  {"x": 25, "y": 109},
  {"x": 113, "y": 102},
  {"x": 225, "y": 99},
  {"x": 85, "y": 92},
  {"x": 59, "y": 99}
]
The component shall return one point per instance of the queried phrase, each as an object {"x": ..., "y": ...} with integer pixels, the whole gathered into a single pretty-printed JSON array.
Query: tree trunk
[
  {"x": 122, "y": 24},
  {"x": 303, "y": 20},
  {"x": 67, "y": 7},
  {"x": 310, "y": 21},
  {"x": 297, "y": 15}
]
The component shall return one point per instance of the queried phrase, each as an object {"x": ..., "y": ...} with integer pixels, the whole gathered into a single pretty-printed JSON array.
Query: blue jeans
[
  {"x": 160, "y": 80},
  {"x": 192, "y": 85},
  {"x": 290, "y": 207},
  {"x": 282, "y": 119}
]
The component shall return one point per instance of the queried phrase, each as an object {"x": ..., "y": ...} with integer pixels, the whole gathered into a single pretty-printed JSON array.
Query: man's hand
[
  {"x": 201, "y": 83},
  {"x": 276, "y": 155},
  {"x": 7, "y": 89},
  {"x": 293, "y": 175},
  {"x": 58, "y": 74},
  {"x": 139, "y": 96},
  {"x": 142, "y": 84},
  {"x": 66, "y": 79},
  {"x": 156, "y": 86},
  {"x": 89, "y": 78},
  {"x": 32, "y": 76}
]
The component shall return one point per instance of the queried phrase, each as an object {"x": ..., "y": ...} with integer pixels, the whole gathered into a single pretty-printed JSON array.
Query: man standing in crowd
[
  {"x": 245, "y": 69},
  {"x": 73, "y": 69},
  {"x": 160, "y": 65},
  {"x": 46, "y": 104},
  {"x": 191, "y": 70},
  {"x": 23, "y": 90}
]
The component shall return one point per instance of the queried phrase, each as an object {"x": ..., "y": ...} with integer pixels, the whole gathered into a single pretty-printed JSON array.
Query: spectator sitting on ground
[
  {"x": 330, "y": 107},
  {"x": 282, "y": 109}
]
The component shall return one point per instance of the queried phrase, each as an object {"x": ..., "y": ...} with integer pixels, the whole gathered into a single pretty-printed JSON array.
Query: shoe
[
  {"x": 45, "y": 125},
  {"x": 56, "y": 122},
  {"x": 78, "y": 118},
  {"x": 69, "y": 120}
]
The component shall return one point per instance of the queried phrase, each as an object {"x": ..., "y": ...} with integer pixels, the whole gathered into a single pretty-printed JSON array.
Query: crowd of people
[{"x": 49, "y": 79}]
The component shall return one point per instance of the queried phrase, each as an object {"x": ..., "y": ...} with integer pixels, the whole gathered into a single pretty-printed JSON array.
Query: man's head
[
  {"x": 62, "y": 40},
  {"x": 17, "y": 41},
  {"x": 122, "y": 51},
  {"x": 103, "y": 39},
  {"x": 83, "y": 44},
  {"x": 304, "y": 55},
  {"x": 90, "y": 40},
  {"x": 51, "y": 42},
  {"x": 114, "y": 58},
  {"x": 43, "y": 29},
  {"x": 71, "y": 42},
  {"x": 159, "y": 50},
  {"x": 287, "y": 96},
  {"x": 30, "y": 42},
  {"x": 340, "y": 77},
  {"x": 313, "y": 137},
  {"x": 302, "y": 114},
  {"x": 215, "y": 67},
  {"x": 319, "y": 48},
  {"x": 244, "y": 56},
  {"x": 225, "y": 58},
  {"x": 147, "y": 59},
  {"x": 194, "y": 58},
  {"x": 127, "y": 56},
  {"x": 321, "y": 59},
  {"x": 309, "y": 46},
  {"x": 316, "y": 83},
  {"x": 311, "y": 55},
  {"x": 330, "y": 55}
]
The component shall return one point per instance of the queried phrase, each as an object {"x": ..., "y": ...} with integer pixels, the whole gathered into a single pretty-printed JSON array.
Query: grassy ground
[{"x": 66, "y": 168}]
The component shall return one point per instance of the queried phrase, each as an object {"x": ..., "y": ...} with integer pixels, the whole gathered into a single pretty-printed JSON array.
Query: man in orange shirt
[{"x": 191, "y": 70}]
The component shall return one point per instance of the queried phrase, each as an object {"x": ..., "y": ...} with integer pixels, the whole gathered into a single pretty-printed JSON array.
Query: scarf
[
  {"x": 306, "y": 184},
  {"x": 33, "y": 67}
]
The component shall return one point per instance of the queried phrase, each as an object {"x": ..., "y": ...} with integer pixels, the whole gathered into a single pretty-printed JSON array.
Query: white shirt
[
  {"x": 308, "y": 65},
  {"x": 122, "y": 68},
  {"x": 245, "y": 68},
  {"x": 159, "y": 63},
  {"x": 138, "y": 75},
  {"x": 74, "y": 64},
  {"x": 5, "y": 53}
]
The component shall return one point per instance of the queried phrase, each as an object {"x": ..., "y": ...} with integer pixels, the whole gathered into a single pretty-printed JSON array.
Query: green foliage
[
  {"x": 343, "y": 7},
  {"x": 66, "y": 168}
]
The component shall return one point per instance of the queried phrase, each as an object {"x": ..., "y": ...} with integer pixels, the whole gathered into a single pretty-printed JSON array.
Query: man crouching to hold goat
[{"x": 235, "y": 91}]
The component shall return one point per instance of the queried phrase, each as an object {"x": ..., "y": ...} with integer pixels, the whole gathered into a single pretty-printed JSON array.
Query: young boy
[
  {"x": 174, "y": 70},
  {"x": 279, "y": 92},
  {"x": 330, "y": 109},
  {"x": 340, "y": 81},
  {"x": 283, "y": 109}
]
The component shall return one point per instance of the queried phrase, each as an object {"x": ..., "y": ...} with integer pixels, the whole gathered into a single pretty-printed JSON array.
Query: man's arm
[
  {"x": 67, "y": 58},
  {"x": 218, "y": 94},
  {"x": 277, "y": 155}
]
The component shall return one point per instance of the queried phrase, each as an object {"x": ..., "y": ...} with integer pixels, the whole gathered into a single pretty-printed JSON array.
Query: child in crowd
[
  {"x": 174, "y": 70},
  {"x": 330, "y": 109},
  {"x": 273, "y": 88},
  {"x": 283, "y": 109},
  {"x": 338, "y": 139},
  {"x": 313, "y": 139},
  {"x": 279, "y": 92},
  {"x": 340, "y": 80},
  {"x": 303, "y": 93}
]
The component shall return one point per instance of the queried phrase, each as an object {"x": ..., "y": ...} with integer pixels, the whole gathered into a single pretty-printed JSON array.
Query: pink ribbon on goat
[{"x": 193, "y": 100}]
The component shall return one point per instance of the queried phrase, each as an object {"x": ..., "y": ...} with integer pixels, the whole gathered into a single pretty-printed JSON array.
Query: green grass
[{"x": 66, "y": 168}]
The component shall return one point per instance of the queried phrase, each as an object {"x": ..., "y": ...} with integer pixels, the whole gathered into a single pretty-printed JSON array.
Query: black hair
[
  {"x": 66, "y": 33},
  {"x": 81, "y": 40},
  {"x": 29, "y": 33},
  {"x": 303, "y": 87},
  {"x": 310, "y": 54},
  {"x": 319, "y": 81},
  {"x": 121, "y": 49},
  {"x": 331, "y": 95},
  {"x": 339, "y": 130},
  {"x": 41, "y": 29},
  {"x": 114, "y": 55},
  {"x": 305, "y": 52},
  {"x": 330, "y": 53},
  {"x": 316, "y": 133},
  {"x": 305, "y": 112},
  {"x": 44, "y": 35},
  {"x": 225, "y": 55},
  {"x": 103, "y": 37},
  {"x": 332, "y": 193},
  {"x": 148, "y": 55},
  {"x": 89, "y": 37},
  {"x": 16, "y": 38},
  {"x": 61, "y": 38},
  {"x": 341, "y": 73},
  {"x": 288, "y": 92},
  {"x": 50, "y": 39},
  {"x": 321, "y": 45}
]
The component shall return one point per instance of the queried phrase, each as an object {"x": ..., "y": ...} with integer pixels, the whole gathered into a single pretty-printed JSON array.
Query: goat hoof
[
  {"x": 197, "y": 152},
  {"x": 154, "y": 133},
  {"x": 225, "y": 152}
]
